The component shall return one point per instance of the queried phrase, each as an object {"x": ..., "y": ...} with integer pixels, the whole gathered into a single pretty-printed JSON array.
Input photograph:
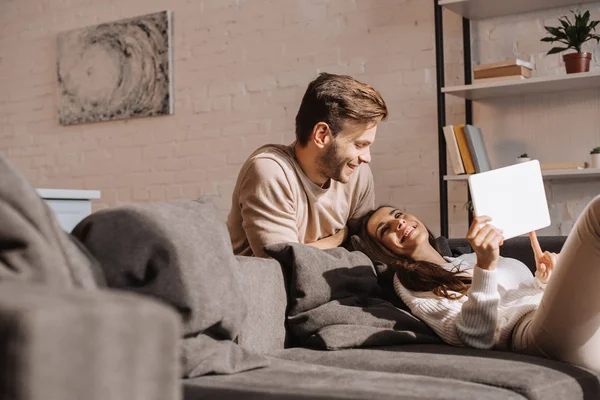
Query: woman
[{"x": 484, "y": 301}]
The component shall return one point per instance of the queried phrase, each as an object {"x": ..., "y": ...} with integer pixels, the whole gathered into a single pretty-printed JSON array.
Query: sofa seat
[
  {"x": 531, "y": 377},
  {"x": 285, "y": 379}
]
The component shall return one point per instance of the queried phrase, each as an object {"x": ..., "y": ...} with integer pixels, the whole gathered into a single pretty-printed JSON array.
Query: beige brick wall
[{"x": 241, "y": 67}]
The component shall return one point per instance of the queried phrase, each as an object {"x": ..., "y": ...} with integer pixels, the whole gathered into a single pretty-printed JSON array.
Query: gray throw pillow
[
  {"x": 179, "y": 253},
  {"x": 335, "y": 301}
]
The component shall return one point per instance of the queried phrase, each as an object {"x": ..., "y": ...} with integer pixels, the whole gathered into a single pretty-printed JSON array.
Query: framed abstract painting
[{"x": 116, "y": 70}]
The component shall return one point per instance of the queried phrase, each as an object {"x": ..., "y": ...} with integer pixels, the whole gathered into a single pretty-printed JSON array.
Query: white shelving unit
[
  {"x": 561, "y": 83},
  {"x": 548, "y": 175},
  {"x": 479, "y": 9}
]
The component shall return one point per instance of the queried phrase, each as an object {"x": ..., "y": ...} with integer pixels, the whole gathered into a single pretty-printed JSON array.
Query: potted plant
[
  {"x": 595, "y": 157},
  {"x": 573, "y": 35},
  {"x": 523, "y": 158}
]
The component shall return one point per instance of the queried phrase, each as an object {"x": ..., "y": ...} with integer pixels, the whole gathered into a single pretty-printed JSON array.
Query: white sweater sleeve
[{"x": 470, "y": 323}]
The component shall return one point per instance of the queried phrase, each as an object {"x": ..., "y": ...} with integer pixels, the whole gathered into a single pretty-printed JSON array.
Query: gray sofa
[
  {"x": 170, "y": 312},
  {"x": 414, "y": 371}
]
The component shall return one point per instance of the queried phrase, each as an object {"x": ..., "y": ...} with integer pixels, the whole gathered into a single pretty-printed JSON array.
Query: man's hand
[
  {"x": 544, "y": 260},
  {"x": 486, "y": 242},
  {"x": 332, "y": 241}
]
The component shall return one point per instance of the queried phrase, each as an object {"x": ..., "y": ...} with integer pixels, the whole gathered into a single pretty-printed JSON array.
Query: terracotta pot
[{"x": 577, "y": 62}]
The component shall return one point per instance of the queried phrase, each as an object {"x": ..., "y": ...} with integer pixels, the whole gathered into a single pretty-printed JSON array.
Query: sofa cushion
[
  {"x": 263, "y": 287},
  {"x": 292, "y": 380},
  {"x": 179, "y": 253},
  {"x": 33, "y": 247},
  {"x": 334, "y": 300},
  {"x": 74, "y": 344},
  {"x": 533, "y": 377}
]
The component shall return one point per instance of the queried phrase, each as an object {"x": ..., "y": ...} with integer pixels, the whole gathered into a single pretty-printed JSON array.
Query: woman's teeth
[{"x": 407, "y": 232}]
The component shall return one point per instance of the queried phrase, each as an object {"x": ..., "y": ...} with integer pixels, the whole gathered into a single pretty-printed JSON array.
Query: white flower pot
[
  {"x": 595, "y": 160},
  {"x": 523, "y": 159}
]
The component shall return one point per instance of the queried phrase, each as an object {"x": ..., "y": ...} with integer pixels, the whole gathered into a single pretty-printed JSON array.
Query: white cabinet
[{"x": 70, "y": 206}]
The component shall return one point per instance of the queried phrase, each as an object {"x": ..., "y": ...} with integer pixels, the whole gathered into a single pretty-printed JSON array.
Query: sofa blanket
[{"x": 335, "y": 302}]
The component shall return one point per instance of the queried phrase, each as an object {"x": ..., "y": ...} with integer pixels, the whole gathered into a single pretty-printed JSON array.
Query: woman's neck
[{"x": 429, "y": 254}]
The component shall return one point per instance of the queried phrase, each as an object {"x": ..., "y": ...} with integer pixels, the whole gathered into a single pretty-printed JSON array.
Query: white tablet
[{"x": 514, "y": 197}]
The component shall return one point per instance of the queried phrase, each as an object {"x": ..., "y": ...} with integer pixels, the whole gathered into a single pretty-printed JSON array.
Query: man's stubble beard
[{"x": 331, "y": 164}]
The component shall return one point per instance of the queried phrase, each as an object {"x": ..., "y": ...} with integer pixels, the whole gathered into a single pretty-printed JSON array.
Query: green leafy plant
[
  {"x": 573, "y": 35},
  {"x": 595, "y": 150}
]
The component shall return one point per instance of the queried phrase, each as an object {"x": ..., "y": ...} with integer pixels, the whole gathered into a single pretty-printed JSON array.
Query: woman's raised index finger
[{"x": 535, "y": 244}]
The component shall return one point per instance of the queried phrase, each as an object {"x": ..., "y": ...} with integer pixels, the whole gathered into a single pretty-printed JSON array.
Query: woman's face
[{"x": 400, "y": 233}]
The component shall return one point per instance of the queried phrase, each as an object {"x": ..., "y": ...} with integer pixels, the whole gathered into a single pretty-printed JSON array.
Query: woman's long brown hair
[{"x": 415, "y": 275}]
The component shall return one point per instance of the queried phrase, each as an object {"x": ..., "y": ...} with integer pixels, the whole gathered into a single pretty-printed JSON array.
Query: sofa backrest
[
  {"x": 263, "y": 286},
  {"x": 518, "y": 247}
]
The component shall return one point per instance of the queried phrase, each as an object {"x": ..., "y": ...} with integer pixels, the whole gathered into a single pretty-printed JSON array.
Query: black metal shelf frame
[{"x": 441, "y": 104}]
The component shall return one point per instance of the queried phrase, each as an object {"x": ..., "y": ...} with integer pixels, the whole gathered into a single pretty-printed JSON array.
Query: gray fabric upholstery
[
  {"x": 296, "y": 380},
  {"x": 33, "y": 247},
  {"x": 73, "y": 344},
  {"x": 179, "y": 253},
  {"x": 262, "y": 284},
  {"x": 533, "y": 377},
  {"x": 334, "y": 301}
]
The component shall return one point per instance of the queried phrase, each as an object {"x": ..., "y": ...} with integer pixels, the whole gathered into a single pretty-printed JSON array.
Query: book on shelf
[
  {"x": 453, "y": 151},
  {"x": 511, "y": 70},
  {"x": 479, "y": 154},
  {"x": 463, "y": 146},
  {"x": 505, "y": 63},
  {"x": 500, "y": 78},
  {"x": 565, "y": 165}
]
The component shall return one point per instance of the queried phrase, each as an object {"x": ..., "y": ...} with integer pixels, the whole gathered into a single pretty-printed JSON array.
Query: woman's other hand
[
  {"x": 485, "y": 241},
  {"x": 544, "y": 260}
]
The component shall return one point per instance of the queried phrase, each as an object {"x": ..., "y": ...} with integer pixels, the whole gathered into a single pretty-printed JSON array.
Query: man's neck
[{"x": 307, "y": 158}]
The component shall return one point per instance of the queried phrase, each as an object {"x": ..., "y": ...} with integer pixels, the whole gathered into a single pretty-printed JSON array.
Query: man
[{"x": 309, "y": 191}]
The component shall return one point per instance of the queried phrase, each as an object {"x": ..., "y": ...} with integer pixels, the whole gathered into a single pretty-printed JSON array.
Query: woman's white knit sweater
[{"x": 486, "y": 316}]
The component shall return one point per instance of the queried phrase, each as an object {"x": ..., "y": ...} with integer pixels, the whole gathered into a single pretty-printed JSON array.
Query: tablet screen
[{"x": 514, "y": 197}]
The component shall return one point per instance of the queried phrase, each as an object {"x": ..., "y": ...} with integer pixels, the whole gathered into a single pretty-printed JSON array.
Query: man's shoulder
[
  {"x": 270, "y": 163},
  {"x": 276, "y": 152}
]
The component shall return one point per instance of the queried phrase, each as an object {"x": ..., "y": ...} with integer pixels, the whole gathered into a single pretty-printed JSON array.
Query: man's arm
[
  {"x": 268, "y": 209},
  {"x": 332, "y": 241}
]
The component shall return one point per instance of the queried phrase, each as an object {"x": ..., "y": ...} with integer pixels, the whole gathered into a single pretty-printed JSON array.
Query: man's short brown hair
[{"x": 335, "y": 100}]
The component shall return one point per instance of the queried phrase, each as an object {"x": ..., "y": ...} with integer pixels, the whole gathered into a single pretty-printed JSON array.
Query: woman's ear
[{"x": 321, "y": 134}]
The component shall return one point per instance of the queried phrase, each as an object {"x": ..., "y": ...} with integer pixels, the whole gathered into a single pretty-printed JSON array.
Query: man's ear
[{"x": 321, "y": 134}]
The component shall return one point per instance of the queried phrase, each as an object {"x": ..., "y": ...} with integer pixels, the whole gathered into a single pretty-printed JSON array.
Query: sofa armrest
[
  {"x": 518, "y": 247},
  {"x": 94, "y": 345},
  {"x": 263, "y": 285}
]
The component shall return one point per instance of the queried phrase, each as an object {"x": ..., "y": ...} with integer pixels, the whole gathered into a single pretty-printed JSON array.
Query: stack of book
[
  {"x": 466, "y": 149},
  {"x": 508, "y": 69}
]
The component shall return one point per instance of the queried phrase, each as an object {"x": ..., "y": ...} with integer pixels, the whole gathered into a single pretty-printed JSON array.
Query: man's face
[{"x": 349, "y": 149}]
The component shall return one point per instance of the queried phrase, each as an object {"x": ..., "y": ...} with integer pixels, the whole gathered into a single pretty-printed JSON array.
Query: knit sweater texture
[{"x": 486, "y": 317}]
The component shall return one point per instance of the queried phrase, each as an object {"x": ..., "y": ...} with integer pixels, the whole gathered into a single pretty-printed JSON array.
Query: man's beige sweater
[{"x": 274, "y": 202}]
